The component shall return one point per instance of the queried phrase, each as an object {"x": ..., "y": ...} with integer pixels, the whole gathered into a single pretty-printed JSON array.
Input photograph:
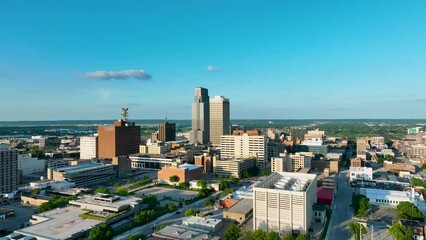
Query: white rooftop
[
  {"x": 117, "y": 203},
  {"x": 190, "y": 166},
  {"x": 202, "y": 221},
  {"x": 386, "y": 194},
  {"x": 80, "y": 167},
  {"x": 60, "y": 224},
  {"x": 289, "y": 181}
]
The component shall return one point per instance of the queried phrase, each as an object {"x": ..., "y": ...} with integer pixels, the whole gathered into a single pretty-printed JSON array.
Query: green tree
[
  {"x": 400, "y": 232},
  {"x": 273, "y": 236},
  {"x": 266, "y": 172},
  {"x": 202, "y": 183},
  {"x": 102, "y": 190},
  {"x": 303, "y": 237},
  {"x": 233, "y": 232},
  {"x": 55, "y": 202},
  {"x": 223, "y": 184},
  {"x": 355, "y": 228},
  {"x": 234, "y": 179},
  {"x": 209, "y": 202},
  {"x": 287, "y": 237},
  {"x": 205, "y": 192},
  {"x": 360, "y": 204},
  {"x": 121, "y": 192},
  {"x": 191, "y": 212},
  {"x": 171, "y": 207},
  {"x": 259, "y": 234},
  {"x": 246, "y": 234},
  {"x": 410, "y": 211},
  {"x": 226, "y": 192},
  {"x": 184, "y": 185},
  {"x": 144, "y": 217},
  {"x": 417, "y": 182},
  {"x": 424, "y": 166},
  {"x": 174, "y": 179},
  {"x": 246, "y": 173},
  {"x": 151, "y": 200},
  {"x": 137, "y": 237},
  {"x": 37, "y": 153},
  {"x": 101, "y": 232}
]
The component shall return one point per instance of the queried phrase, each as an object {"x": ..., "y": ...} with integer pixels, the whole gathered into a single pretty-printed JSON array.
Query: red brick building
[
  {"x": 122, "y": 138},
  {"x": 185, "y": 172}
]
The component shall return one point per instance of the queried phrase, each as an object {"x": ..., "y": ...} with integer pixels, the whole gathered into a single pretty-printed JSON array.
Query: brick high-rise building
[
  {"x": 8, "y": 169},
  {"x": 122, "y": 138},
  {"x": 167, "y": 132}
]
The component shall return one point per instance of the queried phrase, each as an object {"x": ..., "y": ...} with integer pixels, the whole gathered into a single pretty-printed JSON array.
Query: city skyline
[{"x": 276, "y": 60}]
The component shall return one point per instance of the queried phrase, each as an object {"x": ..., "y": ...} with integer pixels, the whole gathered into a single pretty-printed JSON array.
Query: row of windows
[{"x": 386, "y": 201}]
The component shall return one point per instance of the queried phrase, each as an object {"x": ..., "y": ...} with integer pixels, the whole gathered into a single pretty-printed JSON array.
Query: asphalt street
[{"x": 342, "y": 210}]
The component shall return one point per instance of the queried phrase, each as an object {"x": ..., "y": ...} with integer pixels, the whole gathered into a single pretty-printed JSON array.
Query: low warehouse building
[{"x": 240, "y": 211}]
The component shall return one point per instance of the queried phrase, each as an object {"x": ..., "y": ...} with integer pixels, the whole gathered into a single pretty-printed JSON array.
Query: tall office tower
[
  {"x": 167, "y": 132},
  {"x": 219, "y": 119},
  {"x": 244, "y": 146},
  {"x": 200, "y": 132},
  {"x": 361, "y": 148},
  {"x": 88, "y": 147},
  {"x": 8, "y": 169},
  {"x": 122, "y": 138},
  {"x": 284, "y": 201}
]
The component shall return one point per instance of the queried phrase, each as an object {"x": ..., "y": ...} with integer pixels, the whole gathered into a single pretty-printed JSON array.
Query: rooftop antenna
[{"x": 124, "y": 113}]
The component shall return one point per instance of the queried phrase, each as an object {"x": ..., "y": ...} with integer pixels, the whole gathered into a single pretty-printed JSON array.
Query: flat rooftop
[
  {"x": 203, "y": 221},
  {"x": 6, "y": 211},
  {"x": 105, "y": 200},
  {"x": 59, "y": 224},
  {"x": 386, "y": 194},
  {"x": 79, "y": 167},
  {"x": 289, "y": 181},
  {"x": 190, "y": 166},
  {"x": 179, "y": 232},
  {"x": 242, "y": 207}
]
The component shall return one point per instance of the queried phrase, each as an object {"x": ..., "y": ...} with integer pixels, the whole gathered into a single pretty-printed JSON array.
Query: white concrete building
[
  {"x": 29, "y": 165},
  {"x": 284, "y": 201},
  {"x": 88, "y": 147},
  {"x": 283, "y": 163},
  {"x": 244, "y": 146},
  {"x": 208, "y": 224},
  {"x": 362, "y": 173},
  {"x": 387, "y": 197},
  {"x": 57, "y": 186}
]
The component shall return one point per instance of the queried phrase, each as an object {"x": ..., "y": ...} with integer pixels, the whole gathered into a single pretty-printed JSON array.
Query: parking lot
[{"x": 162, "y": 193}]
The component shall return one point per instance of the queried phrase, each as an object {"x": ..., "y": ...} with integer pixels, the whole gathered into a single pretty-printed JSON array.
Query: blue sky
[{"x": 273, "y": 59}]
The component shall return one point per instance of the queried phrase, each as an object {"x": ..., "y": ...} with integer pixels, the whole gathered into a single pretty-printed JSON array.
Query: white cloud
[
  {"x": 210, "y": 68},
  {"x": 118, "y": 75}
]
